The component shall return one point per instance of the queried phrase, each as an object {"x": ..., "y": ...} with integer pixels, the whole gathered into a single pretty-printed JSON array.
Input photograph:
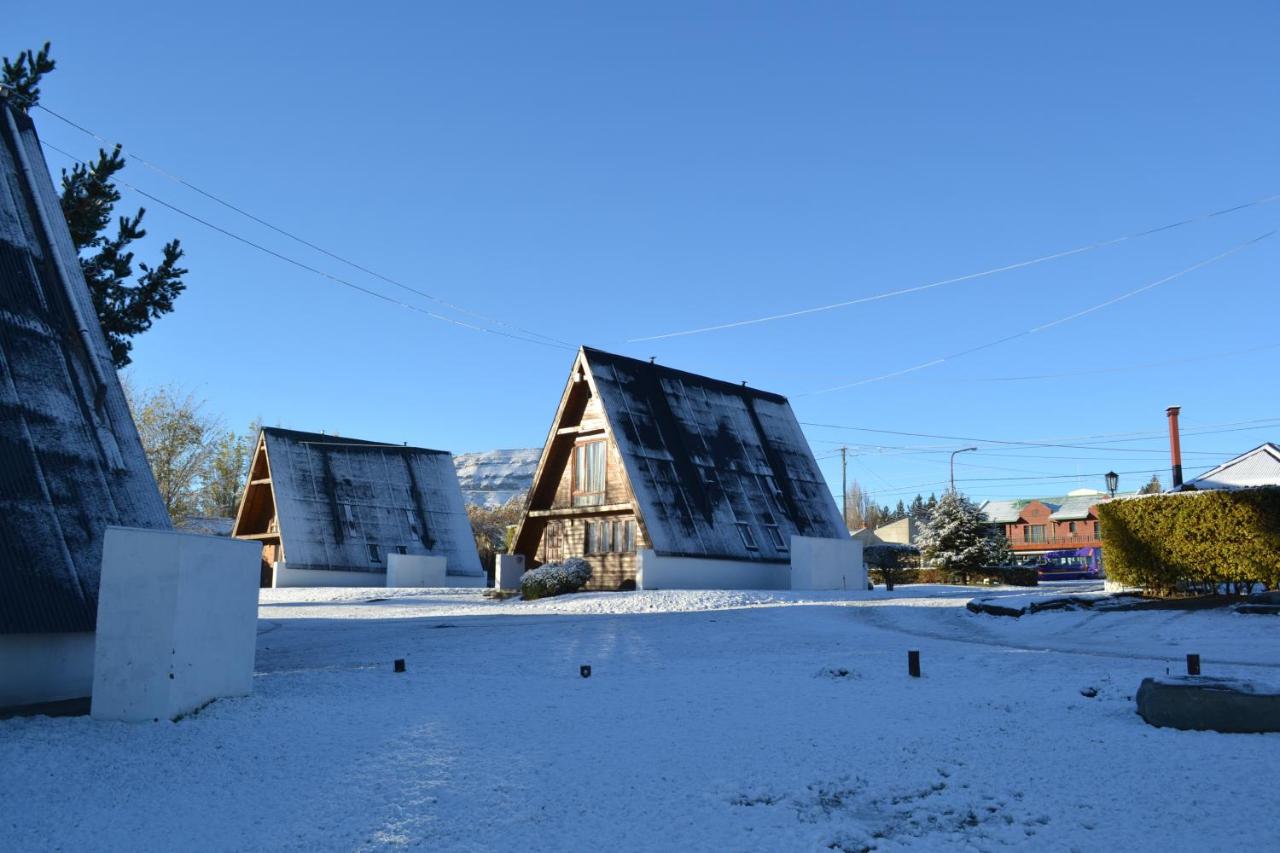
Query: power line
[
  {"x": 1099, "y": 370},
  {"x": 1112, "y": 438},
  {"x": 179, "y": 180},
  {"x": 1052, "y": 323},
  {"x": 304, "y": 266},
  {"x": 969, "y": 277}
]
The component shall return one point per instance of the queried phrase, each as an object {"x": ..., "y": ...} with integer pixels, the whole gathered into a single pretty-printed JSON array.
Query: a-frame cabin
[
  {"x": 330, "y": 510},
  {"x": 642, "y": 456}
]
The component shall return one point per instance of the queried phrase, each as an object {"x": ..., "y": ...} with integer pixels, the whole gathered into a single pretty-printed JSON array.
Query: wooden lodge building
[
  {"x": 71, "y": 463},
  {"x": 643, "y": 456},
  {"x": 329, "y": 511}
]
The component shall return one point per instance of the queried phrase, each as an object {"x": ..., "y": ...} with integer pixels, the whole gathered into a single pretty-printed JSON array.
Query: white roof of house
[{"x": 1258, "y": 467}]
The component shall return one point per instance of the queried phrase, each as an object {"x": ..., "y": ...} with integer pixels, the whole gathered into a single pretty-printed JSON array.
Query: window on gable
[
  {"x": 588, "y": 473},
  {"x": 375, "y": 553}
]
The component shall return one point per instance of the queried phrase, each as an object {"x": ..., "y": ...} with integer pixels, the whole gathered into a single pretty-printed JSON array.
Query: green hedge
[{"x": 1193, "y": 541}]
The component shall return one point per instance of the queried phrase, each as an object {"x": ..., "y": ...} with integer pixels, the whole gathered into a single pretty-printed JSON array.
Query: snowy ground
[{"x": 712, "y": 721}]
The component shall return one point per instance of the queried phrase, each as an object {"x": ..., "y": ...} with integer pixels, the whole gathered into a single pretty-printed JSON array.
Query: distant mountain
[{"x": 494, "y": 477}]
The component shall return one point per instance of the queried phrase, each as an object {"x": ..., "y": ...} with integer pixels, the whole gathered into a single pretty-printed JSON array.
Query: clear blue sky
[{"x": 600, "y": 173}]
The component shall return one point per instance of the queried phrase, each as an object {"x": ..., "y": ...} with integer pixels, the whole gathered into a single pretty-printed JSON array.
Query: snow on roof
[
  {"x": 336, "y": 496},
  {"x": 494, "y": 477},
  {"x": 70, "y": 459},
  {"x": 1003, "y": 512},
  {"x": 1076, "y": 507},
  {"x": 1257, "y": 467},
  {"x": 713, "y": 465}
]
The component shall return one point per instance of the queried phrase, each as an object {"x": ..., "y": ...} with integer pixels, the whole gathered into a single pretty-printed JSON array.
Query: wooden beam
[
  {"x": 258, "y": 536},
  {"x": 265, "y": 481},
  {"x": 574, "y": 511}
]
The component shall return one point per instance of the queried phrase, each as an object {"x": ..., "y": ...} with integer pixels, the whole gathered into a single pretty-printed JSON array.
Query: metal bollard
[
  {"x": 913, "y": 664},
  {"x": 1193, "y": 664},
  {"x": 399, "y": 665},
  {"x": 585, "y": 670}
]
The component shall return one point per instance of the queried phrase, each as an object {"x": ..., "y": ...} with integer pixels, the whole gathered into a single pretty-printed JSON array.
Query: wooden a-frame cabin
[
  {"x": 329, "y": 510},
  {"x": 642, "y": 456}
]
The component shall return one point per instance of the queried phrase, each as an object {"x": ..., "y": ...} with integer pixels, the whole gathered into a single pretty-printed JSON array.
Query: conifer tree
[
  {"x": 126, "y": 305},
  {"x": 955, "y": 537}
]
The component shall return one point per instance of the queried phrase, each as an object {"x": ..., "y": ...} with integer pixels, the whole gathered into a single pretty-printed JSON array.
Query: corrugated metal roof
[
  {"x": 70, "y": 459},
  {"x": 704, "y": 456},
  {"x": 1258, "y": 467},
  {"x": 336, "y": 496}
]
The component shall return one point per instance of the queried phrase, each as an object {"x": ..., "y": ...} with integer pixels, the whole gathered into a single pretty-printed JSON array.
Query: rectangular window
[
  {"x": 775, "y": 536},
  {"x": 1034, "y": 533},
  {"x": 375, "y": 553},
  {"x": 400, "y": 549},
  {"x": 588, "y": 473},
  {"x": 631, "y": 537},
  {"x": 1097, "y": 530},
  {"x": 748, "y": 538},
  {"x": 1072, "y": 527}
]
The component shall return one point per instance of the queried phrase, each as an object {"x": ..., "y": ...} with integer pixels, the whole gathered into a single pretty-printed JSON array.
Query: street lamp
[
  {"x": 953, "y": 464},
  {"x": 1113, "y": 480}
]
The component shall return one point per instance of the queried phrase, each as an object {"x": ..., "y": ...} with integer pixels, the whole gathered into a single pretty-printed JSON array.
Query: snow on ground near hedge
[{"x": 713, "y": 720}]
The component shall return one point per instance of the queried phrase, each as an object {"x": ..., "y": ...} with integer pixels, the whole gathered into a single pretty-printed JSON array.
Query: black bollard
[
  {"x": 399, "y": 665},
  {"x": 1193, "y": 664},
  {"x": 913, "y": 664},
  {"x": 585, "y": 670}
]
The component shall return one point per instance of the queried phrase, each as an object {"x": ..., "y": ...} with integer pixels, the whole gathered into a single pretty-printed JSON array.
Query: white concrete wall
[
  {"x": 282, "y": 576},
  {"x": 39, "y": 668},
  {"x": 827, "y": 564},
  {"x": 415, "y": 570},
  {"x": 660, "y": 572},
  {"x": 177, "y": 623},
  {"x": 508, "y": 569}
]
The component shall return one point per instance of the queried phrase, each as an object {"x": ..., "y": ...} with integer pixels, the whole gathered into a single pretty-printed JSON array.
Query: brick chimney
[{"x": 1175, "y": 445}]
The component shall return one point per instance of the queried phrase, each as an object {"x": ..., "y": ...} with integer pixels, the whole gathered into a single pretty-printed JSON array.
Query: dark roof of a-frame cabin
[
  {"x": 335, "y": 495},
  {"x": 70, "y": 459},
  {"x": 703, "y": 456}
]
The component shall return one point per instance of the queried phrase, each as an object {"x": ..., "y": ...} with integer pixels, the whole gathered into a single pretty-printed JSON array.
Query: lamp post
[
  {"x": 953, "y": 464},
  {"x": 1113, "y": 480}
]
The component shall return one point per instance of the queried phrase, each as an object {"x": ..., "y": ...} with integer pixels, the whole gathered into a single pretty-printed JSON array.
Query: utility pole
[{"x": 844, "y": 484}]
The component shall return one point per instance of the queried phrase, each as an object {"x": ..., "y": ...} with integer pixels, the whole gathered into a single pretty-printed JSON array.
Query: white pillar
[{"x": 507, "y": 571}]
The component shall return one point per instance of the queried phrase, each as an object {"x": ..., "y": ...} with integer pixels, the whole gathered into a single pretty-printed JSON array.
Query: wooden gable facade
[
  {"x": 643, "y": 456},
  {"x": 581, "y": 503}
]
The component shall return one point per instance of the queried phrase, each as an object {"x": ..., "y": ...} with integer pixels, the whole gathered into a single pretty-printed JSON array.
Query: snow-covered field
[{"x": 712, "y": 721}]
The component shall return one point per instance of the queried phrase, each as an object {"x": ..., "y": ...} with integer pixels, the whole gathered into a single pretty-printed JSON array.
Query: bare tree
[
  {"x": 861, "y": 510},
  {"x": 179, "y": 438},
  {"x": 492, "y": 525}
]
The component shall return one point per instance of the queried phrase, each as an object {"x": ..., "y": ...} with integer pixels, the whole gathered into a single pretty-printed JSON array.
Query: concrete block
[
  {"x": 508, "y": 569},
  {"x": 177, "y": 623},
  {"x": 415, "y": 570},
  {"x": 1202, "y": 703},
  {"x": 818, "y": 563}
]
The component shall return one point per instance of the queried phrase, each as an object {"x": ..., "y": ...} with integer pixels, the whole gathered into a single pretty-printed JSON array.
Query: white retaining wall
[
  {"x": 177, "y": 623},
  {"x": 660, "y": 572},
  {"x": 415, "y": 570},
  {"x": 39, "y": 668},
  {"x": 827, "y": 564},
  {"x": 283, "y": 576}
]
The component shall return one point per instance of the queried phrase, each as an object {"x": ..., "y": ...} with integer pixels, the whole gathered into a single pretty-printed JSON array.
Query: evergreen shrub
[
  {"x": 1194, "y": 541},
  {"x": 556, "y": 579}
]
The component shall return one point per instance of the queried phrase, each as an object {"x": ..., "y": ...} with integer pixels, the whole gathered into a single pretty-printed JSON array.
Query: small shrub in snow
[{"x": 545, "y": 581}]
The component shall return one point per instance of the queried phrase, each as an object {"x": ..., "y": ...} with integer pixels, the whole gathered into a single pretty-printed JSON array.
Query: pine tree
[
  {"x": 125, "y": 308},
  {"x": 1153, "y": 487},
  {"x": 917, "y": 508},
  {"x": 930, "y": 506},
  {"x": 900, "y": 512},
  {"x": 955, "y": 537}
]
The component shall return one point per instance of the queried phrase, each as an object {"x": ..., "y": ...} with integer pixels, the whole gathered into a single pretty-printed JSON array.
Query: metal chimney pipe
[{"x": 1175, "y": 445}]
